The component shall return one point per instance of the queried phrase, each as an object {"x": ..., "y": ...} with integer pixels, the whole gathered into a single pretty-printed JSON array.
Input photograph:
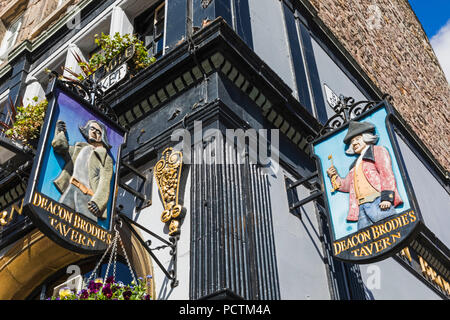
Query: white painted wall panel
[{"x": 270, "y": 39}]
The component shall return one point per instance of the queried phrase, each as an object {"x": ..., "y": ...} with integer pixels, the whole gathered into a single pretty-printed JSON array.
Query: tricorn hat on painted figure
[{"x": 356, "y": 128}]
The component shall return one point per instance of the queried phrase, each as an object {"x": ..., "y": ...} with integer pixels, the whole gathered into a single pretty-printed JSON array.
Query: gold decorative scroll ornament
[{"x": 167, "y": 174}]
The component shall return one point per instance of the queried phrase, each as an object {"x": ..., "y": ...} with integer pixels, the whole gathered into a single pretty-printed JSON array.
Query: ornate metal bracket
[
  {"x": 167, "y": 174},
  {"x": 144, "y": 194},
  {"x": 89, "y": 90},
  {"x": 313, "y": 196},
  {"x": 346, "y": 109},
  {"x": 172, "y": 244}
]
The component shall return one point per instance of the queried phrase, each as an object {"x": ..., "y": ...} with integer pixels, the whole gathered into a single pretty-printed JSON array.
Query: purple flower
[
  {"x": 107, "y": 291},
  {"x": 91, "y": 285},
  {"x": 110, "y": 279},
  {"x": 147, "y": 297},
  {"x": 94, "y": 287},
  {"x": 84, "y": 294},
  {"x": 126, "y": 295}
]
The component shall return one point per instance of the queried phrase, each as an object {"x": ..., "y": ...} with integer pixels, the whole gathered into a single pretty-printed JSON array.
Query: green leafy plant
[
  {"x": 111, "y": 47},
  {"x": 110, "y": 290},
  {"x": 26, "y": 121}
]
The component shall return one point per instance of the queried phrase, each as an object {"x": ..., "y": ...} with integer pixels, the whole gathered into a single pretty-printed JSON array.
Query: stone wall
[
  {"x": 39, "y": 15},
  {"x": 389, "y": 43}
]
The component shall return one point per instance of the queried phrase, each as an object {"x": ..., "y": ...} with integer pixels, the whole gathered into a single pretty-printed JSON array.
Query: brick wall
[{"x": 388, "y": 42}]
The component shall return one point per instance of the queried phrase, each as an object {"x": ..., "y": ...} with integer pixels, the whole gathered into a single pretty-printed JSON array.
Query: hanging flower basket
[
  {"x": 110, "y": 290},
  {"x": 26, "y": 122},
  {"x": 113, "y": 47},
  {"x": 116, "y": 45}
]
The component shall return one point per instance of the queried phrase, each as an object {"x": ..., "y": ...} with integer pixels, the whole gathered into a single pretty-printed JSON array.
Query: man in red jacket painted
[{"x": 370, "y": 182}]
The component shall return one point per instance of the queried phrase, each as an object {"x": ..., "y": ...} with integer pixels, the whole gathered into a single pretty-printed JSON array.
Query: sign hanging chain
[
  {"x": 113, "y": 258},
  {"x": 115, "y": 262},
  {"x": 114, "y": 252},
  {"x": 100, "y": 261},
  {"x": 126, "y": 258},
  {"x": 112, "y": 255}
]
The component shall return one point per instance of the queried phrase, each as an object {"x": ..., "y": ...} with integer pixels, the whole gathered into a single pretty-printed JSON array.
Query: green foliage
[
  {"x": 112, "y": 46},
  {"x": 28, "y": 121},
  {"x": 110, "y": 290}
]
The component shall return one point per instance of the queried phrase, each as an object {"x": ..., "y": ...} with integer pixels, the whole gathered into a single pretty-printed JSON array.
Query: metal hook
[{"x": 119, "y": 222}]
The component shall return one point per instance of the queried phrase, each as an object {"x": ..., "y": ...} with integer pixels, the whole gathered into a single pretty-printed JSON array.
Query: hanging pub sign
[
  {"x": 371, "y": 206},
  {"x": 72, "y": 190}
]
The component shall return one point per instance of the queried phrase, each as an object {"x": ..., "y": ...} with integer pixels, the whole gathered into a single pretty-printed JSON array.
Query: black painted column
[
  {"x": 177, "y": 15},
  {"x": 242, "y": 21},
  {"x": 210, "y": 10},
  {"x": 235, "y": 12},
  {"x": 20, "y": 69},
  {"x": 232, "y": 243}
]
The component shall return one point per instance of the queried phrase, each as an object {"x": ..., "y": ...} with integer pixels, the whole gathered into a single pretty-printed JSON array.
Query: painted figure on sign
[
  {"x": 85, "y": 180},
  {"x": 370, "y": 182}
]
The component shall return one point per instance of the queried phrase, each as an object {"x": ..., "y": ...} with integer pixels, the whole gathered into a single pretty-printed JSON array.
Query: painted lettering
[
  {"x": 36, "y": 199},
  {"x": 395, "y": 236}
]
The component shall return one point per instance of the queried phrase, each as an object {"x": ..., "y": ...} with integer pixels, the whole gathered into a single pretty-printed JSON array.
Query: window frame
[
  {"x": 157, "y": 24},
  {"x": 5, "y": 115},
  {"x": 4, "y": 48}
]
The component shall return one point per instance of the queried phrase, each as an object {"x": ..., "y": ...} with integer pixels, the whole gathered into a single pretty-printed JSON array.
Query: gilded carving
[{"x": 167, "y": 174}]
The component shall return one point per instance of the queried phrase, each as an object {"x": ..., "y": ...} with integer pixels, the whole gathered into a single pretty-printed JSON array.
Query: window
[
  {"x": 10, "y": 37},
  {"x": 5, "y": 110},
  {"x": 150, "y": 28}
]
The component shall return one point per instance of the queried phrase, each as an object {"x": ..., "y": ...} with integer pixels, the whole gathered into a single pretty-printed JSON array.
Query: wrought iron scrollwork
[
  {"x": 346, "y": 109},
  {"x": 90, "y": 91}
]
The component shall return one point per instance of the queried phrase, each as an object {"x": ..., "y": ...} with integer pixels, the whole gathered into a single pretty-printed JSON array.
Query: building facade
[{"x": 254, "y": 69}]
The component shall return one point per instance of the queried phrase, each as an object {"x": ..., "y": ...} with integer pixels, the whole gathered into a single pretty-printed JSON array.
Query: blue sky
[{"x": 434, "y": 15}]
